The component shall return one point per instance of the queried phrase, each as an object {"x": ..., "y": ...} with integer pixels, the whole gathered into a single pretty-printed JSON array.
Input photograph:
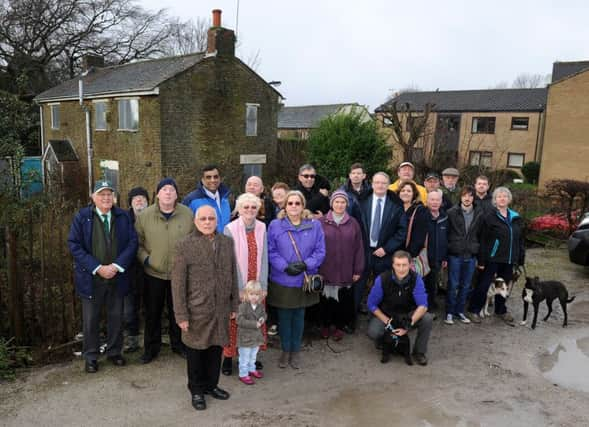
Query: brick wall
[{"x": 203, "y": 113}]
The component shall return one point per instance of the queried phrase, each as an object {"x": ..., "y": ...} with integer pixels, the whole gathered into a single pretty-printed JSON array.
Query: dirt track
[{"x": 488, "y": 375}]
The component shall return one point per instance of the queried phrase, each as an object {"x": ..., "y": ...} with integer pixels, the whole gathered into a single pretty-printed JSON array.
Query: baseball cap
[
  {"x": 432, "y": 175},
  {"x": 102, "y": 185},
  {"x": 406, "y": 164}
]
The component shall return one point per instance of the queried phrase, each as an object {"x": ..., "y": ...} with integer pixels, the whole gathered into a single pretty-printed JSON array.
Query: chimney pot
[{"x": 217, "y": 17}]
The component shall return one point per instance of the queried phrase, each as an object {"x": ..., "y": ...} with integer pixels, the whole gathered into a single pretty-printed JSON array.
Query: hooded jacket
[{"x": 502, "y": 238}]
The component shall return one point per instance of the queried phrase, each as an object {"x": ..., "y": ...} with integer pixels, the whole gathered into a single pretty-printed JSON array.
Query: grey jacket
[{"x": 248, "y": 333}]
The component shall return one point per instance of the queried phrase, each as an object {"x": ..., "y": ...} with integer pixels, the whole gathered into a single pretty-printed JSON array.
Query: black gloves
[{"x": 295, "y": 268}]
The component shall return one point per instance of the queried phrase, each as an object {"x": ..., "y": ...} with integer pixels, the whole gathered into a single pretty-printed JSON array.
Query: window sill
[{"x": 128, "y": 130}]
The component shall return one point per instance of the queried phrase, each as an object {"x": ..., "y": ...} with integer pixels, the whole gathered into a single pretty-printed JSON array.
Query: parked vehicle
[{"x": 579, "y": 243}]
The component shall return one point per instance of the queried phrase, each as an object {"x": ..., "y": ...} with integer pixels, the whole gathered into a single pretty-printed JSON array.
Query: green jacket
[{"x": 158, "y": 237}]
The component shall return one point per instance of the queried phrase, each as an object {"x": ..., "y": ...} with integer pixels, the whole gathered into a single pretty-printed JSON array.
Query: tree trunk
[{"x": 15, "y": 294}]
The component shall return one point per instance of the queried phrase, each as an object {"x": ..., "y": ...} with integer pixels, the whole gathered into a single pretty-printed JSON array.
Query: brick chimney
[
  {"x": 220, "y": 40},
  {"x": 92, "y": 61}
]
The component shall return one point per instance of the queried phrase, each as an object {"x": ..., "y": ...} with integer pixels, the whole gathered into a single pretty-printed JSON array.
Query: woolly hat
[
  {"x": 138, "y": 191},
  {"x": 339, "y": 193},
  {"x": 166, "y": 181}
]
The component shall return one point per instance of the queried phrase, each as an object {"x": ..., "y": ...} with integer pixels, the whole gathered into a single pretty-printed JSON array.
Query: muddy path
[{"x": 479, "y": 375}]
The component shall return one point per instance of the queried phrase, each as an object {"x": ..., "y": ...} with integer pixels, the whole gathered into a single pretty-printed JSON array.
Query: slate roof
[
  {"x": 64, "y": 152},
  {"x": 476, "y": 100},
  {"x": 561, "y": 70},
  {"x": 137, "y": 76},
  {"x": 306, "y": 116}
]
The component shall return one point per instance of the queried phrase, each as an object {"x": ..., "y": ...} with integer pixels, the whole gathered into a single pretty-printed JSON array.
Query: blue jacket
[
  {"x": 502, "y": 239},
  {"x": 199, "y": 197},
  {"x": 310, "y": 242},
  {"x": 80, "y": 244},
  {"x": 437, "y": 235}
]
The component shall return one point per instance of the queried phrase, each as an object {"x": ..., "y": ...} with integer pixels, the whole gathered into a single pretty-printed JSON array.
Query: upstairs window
[
  {"x": 129, "y": 114},
  {"x": 251, "y": 119},
  {"x": 483, "y": 125},
  {"x": 54, "y": 116},
  {"x": 519, "y": 123},
  {"x": 100, "y": 115}
]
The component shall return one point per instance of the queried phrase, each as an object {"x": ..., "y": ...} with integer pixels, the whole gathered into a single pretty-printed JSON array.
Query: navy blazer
[
  {"x": 80, "y": 244},
  {"x": 393, "y": 230}
]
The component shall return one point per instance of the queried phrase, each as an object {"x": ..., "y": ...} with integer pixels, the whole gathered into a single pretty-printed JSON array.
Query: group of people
[{"x": 231, "y": 277}]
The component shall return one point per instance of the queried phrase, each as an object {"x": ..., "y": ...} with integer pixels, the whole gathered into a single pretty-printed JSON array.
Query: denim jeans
[
  {"x": 291, "y": 322},
  {"x": 460, "y": 271},
  {"x": 247, "y": 360}
]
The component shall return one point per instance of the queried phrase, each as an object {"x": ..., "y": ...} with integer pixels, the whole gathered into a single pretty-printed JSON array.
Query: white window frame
[
  {"x": 96, "y": 103},
  {"x": 251, "y": 107},
  {"x": 55, "y": 118},
  {"x": 120, "y": 102},
  {"x": 520, "y": 127},
  {"x": 510, "y": 162},
  {"x": 475, "y": 124}
]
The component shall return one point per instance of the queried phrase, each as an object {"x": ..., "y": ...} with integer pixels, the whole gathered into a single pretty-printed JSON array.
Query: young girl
[{"x": 250, "y": 318}]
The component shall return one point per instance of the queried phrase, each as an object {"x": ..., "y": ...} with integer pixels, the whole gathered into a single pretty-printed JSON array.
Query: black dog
[
  {"x": 393, "y": 343},
  {"x": 536, "y": 291}
]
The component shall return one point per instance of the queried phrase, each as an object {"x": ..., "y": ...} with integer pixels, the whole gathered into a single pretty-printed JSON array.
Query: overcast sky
[{"x": 332, "y": 51}]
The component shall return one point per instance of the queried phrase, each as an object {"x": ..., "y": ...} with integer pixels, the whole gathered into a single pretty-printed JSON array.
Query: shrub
[{"x": 531, "y": 172}]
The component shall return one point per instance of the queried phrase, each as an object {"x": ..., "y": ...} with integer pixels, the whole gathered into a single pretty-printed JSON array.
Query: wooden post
[{"x": 15, "y": 294}]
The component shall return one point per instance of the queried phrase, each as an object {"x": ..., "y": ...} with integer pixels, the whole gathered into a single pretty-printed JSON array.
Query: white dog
[{"x": 498, "y": 288}]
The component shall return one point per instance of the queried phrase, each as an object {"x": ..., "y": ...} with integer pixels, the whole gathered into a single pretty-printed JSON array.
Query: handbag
[
  {"x": 420, "y": 263},
  {"x": 313, "y": 283}
]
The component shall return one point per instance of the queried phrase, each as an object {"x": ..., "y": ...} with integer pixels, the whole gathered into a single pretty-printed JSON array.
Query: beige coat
[
  {"x": 158, "y": 237},
  {"x": 204, "y": 289}
]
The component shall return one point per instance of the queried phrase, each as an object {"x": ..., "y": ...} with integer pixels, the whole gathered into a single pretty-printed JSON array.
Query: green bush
[{"x": 531, "y": 172}]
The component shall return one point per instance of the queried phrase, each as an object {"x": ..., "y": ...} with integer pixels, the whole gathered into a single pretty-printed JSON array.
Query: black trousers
[
  {"x": 431, "y": 287},
  {"x": 108, "y": 295},
  {"x": 339, "y": 313},
  {"x": 155, "y": 293},
  {"x": 203, "y": 367}
]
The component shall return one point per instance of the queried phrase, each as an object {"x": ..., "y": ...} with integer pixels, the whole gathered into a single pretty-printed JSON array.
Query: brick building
[{"x": 164, "y": 117}]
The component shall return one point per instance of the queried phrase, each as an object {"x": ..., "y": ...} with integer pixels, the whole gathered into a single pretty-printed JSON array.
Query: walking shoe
[
  {"x": 198, "y": 402},
  {"x": 257, "y": 374},
  {"x": 295, "y": 360},
  {"x": 218, "y": 393},
  {"x": 247, "y": 380},
  {"x": 474, "y": 318},
  {"x": 463, "y": 318},
  {"x": 337, "y": 335},
  {"x": 324, "y": 333},
  {"x": 283, "y": 361},
  {"x": 91, "y": 366},
  {"x": 508, "y": 319},
  {"x": 420, "y": 358},
  {"x": 448, "y": 320},
  {"x": 132, "y": 344},
  {"x": 273, "y": 330}
]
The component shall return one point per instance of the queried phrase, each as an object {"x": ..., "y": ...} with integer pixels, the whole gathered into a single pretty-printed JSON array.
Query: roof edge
[{"x": 113, "y": 94}]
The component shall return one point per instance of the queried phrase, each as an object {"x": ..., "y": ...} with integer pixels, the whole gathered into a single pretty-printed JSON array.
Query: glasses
[
  {"x": 294, "y": 203},
  {"x": 249, "y": 207},
  {"x": 308, "y": 175},
  {"x": 207, "y": 218},
  {"x": 209, "y": 177}
]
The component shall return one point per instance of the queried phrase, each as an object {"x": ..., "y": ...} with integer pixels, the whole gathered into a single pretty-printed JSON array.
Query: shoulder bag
[
  {"x": 313, "y": 283},
  {"x": 420, "y": 263}
]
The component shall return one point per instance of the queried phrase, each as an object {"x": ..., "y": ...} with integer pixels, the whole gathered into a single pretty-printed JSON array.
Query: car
[{"x": 579, "y": 243}]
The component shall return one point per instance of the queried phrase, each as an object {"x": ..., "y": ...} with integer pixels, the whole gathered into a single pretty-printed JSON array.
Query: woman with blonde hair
[{"x": 296, "y": 246}]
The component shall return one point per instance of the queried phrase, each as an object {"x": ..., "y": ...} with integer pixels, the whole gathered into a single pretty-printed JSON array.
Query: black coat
[
  {"x": 461, "y": 242},
  {"x": 437, "y": 235},
  {"x": 502, "y": 239},
  {"x": 419, "y": 228},
  {"x": 393, "y": 230},
  {"x": 486, "y": 203},
  {"x": 315, "y": 201}
]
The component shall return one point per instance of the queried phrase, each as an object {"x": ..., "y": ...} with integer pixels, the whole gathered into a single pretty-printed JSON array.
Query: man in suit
[
  {"x": 384, "y": 228},
  {"x": 103, "y": 243}
]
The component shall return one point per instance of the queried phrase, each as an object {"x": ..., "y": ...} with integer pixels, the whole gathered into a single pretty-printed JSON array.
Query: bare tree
[
  {"x": 528, "y": 81},
  {"x": 43, "y": 41},
  {"x": 416, "y": 125},
  {"x": 187, "y": 36}
]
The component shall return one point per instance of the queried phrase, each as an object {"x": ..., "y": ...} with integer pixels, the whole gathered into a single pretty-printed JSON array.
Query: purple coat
[
  {"x": 344, "y": 250},
  {"x": 310, "y": 241}
]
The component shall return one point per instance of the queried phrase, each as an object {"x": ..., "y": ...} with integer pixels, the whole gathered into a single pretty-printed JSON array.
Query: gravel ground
[{"x": 479, "y": 375}]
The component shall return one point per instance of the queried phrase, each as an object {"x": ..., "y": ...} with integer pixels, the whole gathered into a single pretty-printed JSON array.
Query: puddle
[
  {"x": 567, "y": 363},
  {"x": 388, "y": 408}
]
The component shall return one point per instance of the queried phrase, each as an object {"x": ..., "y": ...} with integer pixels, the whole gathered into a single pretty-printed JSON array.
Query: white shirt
[
  {"x": 214, "y": 196},
  {"x": 374, "y": 205}
]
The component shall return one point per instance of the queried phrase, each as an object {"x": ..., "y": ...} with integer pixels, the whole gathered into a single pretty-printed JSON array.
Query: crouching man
[{"x": 395, "y": 294}]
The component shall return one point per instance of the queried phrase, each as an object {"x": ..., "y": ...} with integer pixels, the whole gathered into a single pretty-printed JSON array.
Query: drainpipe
[
  {"x": 89, "y": 148},
  {"x": 43, "y": 154}
]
